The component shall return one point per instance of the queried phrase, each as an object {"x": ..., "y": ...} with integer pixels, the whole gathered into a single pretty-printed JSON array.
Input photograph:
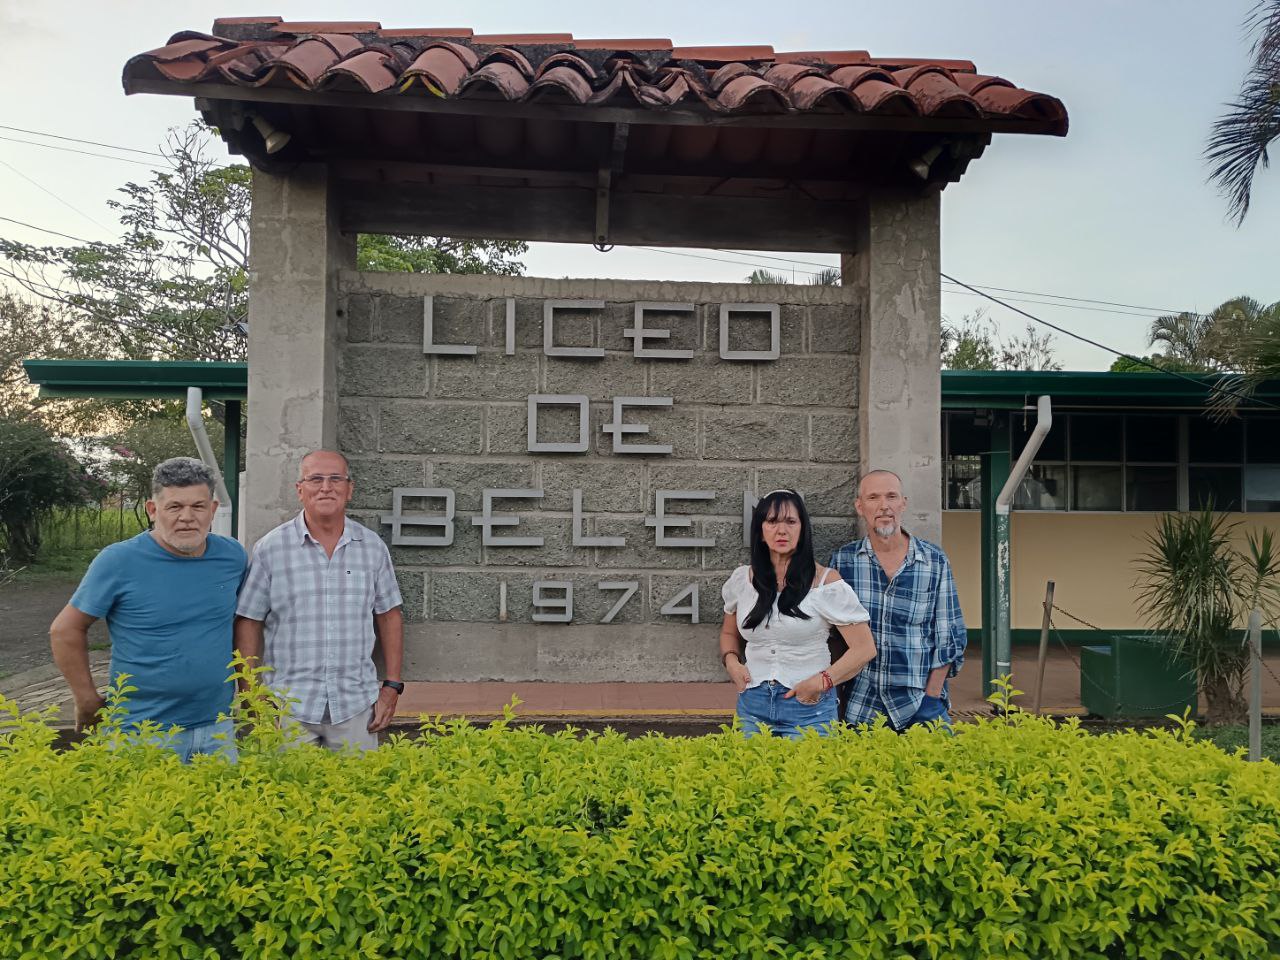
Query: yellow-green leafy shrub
[{"x": 1014, "y": 838}]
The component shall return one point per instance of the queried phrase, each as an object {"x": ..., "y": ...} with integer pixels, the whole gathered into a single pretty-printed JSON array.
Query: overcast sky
[{"x": 1118, "y": 210}]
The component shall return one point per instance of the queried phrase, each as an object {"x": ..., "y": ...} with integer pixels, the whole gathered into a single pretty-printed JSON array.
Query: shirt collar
[
  {"x": 302, "y": 534},
  {"x": 913, "y": 547}
]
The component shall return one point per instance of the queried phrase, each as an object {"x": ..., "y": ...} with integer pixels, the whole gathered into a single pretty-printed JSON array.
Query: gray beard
[{"x": 886, "y": 532}]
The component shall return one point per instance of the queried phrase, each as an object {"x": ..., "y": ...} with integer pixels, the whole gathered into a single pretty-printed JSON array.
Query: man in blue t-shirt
[{"x": 169, "y": 598}]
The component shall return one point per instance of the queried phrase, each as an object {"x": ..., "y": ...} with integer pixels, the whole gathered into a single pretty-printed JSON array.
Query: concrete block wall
[{"x": 408, "y": 419}]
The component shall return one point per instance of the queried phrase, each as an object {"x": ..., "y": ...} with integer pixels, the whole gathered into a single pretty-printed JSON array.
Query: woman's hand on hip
[{"x": 808, "y": 691}]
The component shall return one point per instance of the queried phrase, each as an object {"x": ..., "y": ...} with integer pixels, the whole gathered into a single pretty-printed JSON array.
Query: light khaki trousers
[{"x": 336, "y": 736}]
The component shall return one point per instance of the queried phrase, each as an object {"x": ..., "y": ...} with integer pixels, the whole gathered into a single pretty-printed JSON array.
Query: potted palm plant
[{"x": 1196, "y": 590}]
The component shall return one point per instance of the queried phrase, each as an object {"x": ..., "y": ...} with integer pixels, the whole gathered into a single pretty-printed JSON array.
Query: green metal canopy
[
  {"x": 961, "y": 389},
  {"x": 1004, "y": 389},
  {"x": 138, "y": 379},
  {"x": 155, "y": 379}
]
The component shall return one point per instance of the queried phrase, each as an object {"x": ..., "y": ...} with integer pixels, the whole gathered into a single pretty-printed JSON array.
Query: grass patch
[
  {"x": 67, "y": 565},
  {"x": 71, "y": 530},
  {"x": 70, "y": 539},
  {"x": 1235, "y": 738}
]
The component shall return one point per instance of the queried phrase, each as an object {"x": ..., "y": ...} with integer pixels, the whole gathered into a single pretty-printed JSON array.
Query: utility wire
[
  {"x": 813, "y": 273},
  {"x": 755, "y": 254},
  {"x": 92, "y": 143},
  {"x": 42, "y": 189},
  {"x": 83, "y": 153},
  {"x": 102, "y": 243},
  {"x": 1113, "y": 350},
  {"x": 1050, "y": 303},
  {"x": 64, "y": 236},
  {"x": 983, "y": 286}
]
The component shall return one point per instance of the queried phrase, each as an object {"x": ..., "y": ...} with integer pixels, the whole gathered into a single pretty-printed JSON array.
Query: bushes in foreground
[{"x": 1014, "y": 838}]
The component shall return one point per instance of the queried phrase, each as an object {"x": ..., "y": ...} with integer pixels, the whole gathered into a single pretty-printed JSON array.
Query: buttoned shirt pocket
[{"x": 357, "y": 586}]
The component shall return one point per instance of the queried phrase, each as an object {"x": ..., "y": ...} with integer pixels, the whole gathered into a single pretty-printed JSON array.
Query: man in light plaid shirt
[
  {"x": 906, "y": 585},
  {"x": 320, "y": 589}
]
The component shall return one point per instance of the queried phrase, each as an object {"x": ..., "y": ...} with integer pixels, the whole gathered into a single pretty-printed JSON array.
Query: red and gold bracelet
[{"x": 827, "y": 683}]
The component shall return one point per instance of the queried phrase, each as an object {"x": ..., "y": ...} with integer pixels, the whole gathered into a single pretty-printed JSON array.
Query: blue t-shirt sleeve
[{"x": 100, "y": 588}]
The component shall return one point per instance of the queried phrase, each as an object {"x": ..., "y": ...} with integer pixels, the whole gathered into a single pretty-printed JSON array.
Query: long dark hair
[{"x": 800, "y": 570}]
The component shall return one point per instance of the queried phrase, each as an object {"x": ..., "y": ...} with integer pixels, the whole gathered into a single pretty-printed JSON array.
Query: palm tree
[
  {"x": 1255, "y": 353},
  {"x": 1238, "y": 144},
  {"x": 826, "y": 277},
  {"x": 1183, "y": 337},
  {"x": 1195, "y": 592}
]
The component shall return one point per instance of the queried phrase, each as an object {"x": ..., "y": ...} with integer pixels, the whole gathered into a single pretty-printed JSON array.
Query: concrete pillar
[
  {"x": 896, "y": 269},
  {"x": 294, "y": 335}
]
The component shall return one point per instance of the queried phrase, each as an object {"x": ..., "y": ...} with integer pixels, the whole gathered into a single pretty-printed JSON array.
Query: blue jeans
[
  {"x": 931, "y": 710},
  {"x": 187, "y": 743},
  {"x": 765, "y": 705}
]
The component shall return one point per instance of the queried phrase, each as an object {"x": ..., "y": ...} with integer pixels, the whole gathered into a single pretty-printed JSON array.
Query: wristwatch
[{"x": 395, "y": 685}]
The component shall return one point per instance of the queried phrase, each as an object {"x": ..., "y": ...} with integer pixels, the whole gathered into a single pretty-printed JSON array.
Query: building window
[
  {"x": 1125, "y": 462},
  {"x": 1151, "y": 461}
]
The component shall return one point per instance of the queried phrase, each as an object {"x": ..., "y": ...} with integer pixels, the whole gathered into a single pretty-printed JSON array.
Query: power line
[
  {"x": 1050, "y": 303},
  {"x": 65, "y": 203},
  {"x": 1113, "y": 350},
  {"x": 99, "y": 243},
  {"x": 83, "y": 153},
  {"x": 813, "y": 273},
  {"x": 92, "y": 143},
  {"x": 984, "y": 286},
  {"x": 64, "y": 236},
  {"x": 759, "y": 256},
  {"x": 700, "y": 256}
]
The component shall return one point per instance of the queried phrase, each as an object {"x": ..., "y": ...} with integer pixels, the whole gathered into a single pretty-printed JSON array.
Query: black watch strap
[{"x": 395, "y": 685}]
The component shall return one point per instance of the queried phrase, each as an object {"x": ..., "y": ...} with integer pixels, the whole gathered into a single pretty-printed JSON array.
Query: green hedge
[{"x": 1014, "y": 838}]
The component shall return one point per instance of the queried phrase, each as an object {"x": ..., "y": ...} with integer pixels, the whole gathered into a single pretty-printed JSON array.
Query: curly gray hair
[{"x": 181, "y": 472}]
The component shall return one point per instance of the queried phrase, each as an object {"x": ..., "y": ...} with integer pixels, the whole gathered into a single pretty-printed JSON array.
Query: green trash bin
[{"x": 1135, "y": 676}]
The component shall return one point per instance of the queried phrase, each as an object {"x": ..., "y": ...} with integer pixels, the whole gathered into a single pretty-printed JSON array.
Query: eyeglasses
[{"x": 317, "y": 480}]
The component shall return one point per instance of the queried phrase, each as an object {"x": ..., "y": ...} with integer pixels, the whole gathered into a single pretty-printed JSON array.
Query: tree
[
  {"x": 1195, "y": 592},
  {"x": 1220, "y": 341},
  {"x": 975, "y": 343},
  {"x": 143, "y": 444},
  {"x": 1239, "y": 339},
  {"x": 175, "y": 286},
  {"x": 439, "y": 255},
  {"x": 37, "y": 474},
  {"x": 1154, "y": 363},
  {"x": 28, "y": 330},
  {"x": 1240, "y": 138},
  {"x": 826, "y": 277}
]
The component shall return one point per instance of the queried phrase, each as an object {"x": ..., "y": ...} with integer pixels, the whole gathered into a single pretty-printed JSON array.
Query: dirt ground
[{"x": 26, "y": 610}]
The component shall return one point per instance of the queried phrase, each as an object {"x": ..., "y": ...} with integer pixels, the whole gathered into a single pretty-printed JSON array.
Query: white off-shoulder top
[{"x": 788, "y": 649}]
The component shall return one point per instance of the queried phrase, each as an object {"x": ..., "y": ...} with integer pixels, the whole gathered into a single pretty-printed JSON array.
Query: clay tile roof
[
  {"x": 835, "y": 58},
  {"x": 652, "y": 74},
  {"x": 453, "y": 33},
  {"x": 622, "y": 45},
  {"x": 722, "y": 54},
  {"x": 533, "y": 39},
  {"x": 327, "y": 26}
]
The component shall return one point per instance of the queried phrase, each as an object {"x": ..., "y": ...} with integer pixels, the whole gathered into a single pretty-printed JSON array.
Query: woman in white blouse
[{"x": 784, "y": 606}]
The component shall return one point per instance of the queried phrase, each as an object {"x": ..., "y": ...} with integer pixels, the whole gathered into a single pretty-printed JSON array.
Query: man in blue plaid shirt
[{"x": 906, "y": 585}]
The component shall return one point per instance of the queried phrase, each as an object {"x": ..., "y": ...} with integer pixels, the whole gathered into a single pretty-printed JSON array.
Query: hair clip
[{"x": 794, "y": 493}]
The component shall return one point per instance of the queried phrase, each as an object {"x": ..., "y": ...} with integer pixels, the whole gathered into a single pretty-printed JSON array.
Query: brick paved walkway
[{"x": 704, "y": 704}]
